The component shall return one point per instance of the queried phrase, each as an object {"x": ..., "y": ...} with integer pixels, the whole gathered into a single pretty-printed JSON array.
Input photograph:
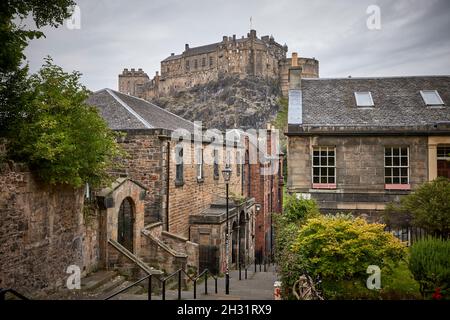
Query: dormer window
[
  {"x": 364, "y": 99},
  {"x": 431, "y": 98}
]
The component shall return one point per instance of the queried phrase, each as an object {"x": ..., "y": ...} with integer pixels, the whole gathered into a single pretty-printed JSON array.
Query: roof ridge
[
  {"x": 128, "y": 108},
  {"x": 380, "y": 77},
  {"x": 173, "y": 114}
]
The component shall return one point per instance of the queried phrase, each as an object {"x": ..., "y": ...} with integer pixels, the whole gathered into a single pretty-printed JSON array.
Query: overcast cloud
[{"x": 414, "y": 38}]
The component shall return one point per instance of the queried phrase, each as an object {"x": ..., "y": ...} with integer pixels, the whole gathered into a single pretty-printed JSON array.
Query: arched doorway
[{"x": 125, "y": 224}]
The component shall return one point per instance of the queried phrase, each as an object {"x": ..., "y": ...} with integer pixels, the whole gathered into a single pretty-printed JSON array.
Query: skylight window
[
  {"x": 364, "y": 99},
  {"x": 431, "y": 98}
]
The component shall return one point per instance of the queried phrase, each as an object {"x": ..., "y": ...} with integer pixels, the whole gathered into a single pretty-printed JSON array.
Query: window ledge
[
  {"x": 200, "y": 180},
  {"x": 179, "y": 183},
  {"x": 216, "y": 177},
  {"x": 324, "y": 185},
  {"x": 397, "y": 187}
]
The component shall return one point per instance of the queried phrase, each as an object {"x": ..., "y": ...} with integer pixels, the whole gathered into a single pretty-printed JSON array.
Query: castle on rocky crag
[{"x": 247, "y": 56}]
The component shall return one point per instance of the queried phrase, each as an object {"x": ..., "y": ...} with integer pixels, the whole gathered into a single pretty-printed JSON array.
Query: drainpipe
[{"x": 167, "y": 185}]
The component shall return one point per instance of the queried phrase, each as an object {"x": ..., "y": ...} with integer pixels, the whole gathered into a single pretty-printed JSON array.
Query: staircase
[{"x": 141, "y": 264}]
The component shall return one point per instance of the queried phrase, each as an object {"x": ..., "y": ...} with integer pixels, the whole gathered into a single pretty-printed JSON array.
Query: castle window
[
  {"x": 210, "y": 61},
  {"x": 187, "y": 64},
  {"x": 203, "y": 62},
  {"x": 396, "y": 168},
  {"x": 195, "y": 64},
  {"x": 324, "y": 168}
]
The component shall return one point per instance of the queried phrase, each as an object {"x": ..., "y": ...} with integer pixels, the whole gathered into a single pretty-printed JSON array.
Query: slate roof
[
  {"x": 123, "y": 112},
  {"x": 397, "y": 101}
]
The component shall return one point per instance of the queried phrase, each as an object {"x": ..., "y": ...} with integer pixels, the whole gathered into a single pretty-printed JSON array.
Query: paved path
[{"x": 257, "y": 286}]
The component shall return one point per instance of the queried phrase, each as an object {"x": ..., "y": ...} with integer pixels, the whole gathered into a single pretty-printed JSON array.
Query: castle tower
[{"x": 132, "y": 82}]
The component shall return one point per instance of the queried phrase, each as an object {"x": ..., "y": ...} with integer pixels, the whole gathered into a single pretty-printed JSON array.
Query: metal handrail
[
  {"x": 4, "y": 291},
  {"x": 163, "y": 281},
  {"x": 128, "y": 287}
]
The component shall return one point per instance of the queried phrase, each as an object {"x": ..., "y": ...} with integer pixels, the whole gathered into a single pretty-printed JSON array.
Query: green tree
[
  {"x": 64, "y": 139},
  {"x": 428, "y": 207},
  {"x": 14, "y": 93}
]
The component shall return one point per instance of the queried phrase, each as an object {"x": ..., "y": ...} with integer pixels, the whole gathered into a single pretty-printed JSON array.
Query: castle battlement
[{"x": 246, "y": 56}]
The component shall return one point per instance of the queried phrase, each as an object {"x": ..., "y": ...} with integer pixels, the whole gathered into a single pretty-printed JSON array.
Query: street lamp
[{"x": 226, "y": 177}]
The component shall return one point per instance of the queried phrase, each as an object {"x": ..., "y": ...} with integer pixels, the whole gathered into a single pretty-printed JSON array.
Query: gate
[{"x": 208, "y": 257}]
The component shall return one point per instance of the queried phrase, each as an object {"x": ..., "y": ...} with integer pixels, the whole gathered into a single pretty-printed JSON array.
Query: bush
[
  {"x": 299, "y": 210},
  {"x": 340, "y": 248},
  {"x": 430, "y": 265}
]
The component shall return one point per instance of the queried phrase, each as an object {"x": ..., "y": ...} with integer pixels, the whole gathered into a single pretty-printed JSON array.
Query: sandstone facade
[{"x": 248, "y": 56}]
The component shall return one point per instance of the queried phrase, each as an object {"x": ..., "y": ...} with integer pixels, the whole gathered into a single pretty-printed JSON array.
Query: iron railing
[
  {"x": 4, "y": 291},
  {"x": 164, "y": 280}
]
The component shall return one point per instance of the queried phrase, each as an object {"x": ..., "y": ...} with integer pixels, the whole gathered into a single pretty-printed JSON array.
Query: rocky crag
[{"x": 229, "y": 102}]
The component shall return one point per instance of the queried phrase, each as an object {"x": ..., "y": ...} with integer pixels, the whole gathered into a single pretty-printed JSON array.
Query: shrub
[
  {"x": 340, "y": 248},
  {"x": 299, "y": 210},
  {"x": 430, "y": 265}
]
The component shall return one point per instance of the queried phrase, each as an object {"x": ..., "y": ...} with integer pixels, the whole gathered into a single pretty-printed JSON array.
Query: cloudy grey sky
[{"x": 414, "y": 38}]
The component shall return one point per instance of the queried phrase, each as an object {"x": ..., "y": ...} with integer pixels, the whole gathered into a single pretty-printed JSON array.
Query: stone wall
[
  {"x": 359, "y": 170},
  {"x": 41, "y": 232},
  {"x": 146, "y": 164}
]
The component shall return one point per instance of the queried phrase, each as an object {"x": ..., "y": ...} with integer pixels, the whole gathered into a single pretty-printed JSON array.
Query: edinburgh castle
[{"x": 245, "y": 57}]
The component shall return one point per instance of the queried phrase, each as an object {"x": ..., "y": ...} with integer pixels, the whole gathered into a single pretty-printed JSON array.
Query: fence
[{"x": 409, "y": 235}]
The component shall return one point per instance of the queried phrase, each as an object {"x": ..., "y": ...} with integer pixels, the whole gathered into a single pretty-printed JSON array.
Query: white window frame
[
  {"x": 439, "y": 104},
  {"x": 363, "y": 105},
  {"x": 320, "y": 166},
  {"x": 400, "y": 166}
]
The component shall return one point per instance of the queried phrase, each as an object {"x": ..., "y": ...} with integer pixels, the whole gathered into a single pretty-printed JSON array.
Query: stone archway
[{"x": 121, "y": 216}]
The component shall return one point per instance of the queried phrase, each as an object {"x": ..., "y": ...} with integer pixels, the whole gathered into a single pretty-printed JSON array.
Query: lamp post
[{"x": 226, "y": 177}]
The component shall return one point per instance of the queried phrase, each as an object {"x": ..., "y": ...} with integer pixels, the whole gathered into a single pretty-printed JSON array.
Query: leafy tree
[
  {"x": 428, "y": 207},
  {"x": 14, "y": 95},
  {"x": 64, "y": 139}
]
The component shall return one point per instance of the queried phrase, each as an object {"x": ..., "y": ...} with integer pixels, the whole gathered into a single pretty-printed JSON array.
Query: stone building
[
  {"x": 245, "y": 56},
  {"x": 185, "y": 200},
  {"x": 355, "y": 144}
]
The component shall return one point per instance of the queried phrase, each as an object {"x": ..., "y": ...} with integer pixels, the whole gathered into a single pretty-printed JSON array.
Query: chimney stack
[
  {"x": 294, "y": 60},
  {"x": 224, "y": 38},
  {"x": 186, "y": 46},
  {"x": 295, "y": 108}
]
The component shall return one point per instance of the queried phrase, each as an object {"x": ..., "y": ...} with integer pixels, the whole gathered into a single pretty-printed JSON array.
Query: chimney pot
[
  {"x": 172, "y": 54},
  {"x": 224, "y": 38},
  {"x": 186, "y": 46},
  {"x": 133, "y": 70}
]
